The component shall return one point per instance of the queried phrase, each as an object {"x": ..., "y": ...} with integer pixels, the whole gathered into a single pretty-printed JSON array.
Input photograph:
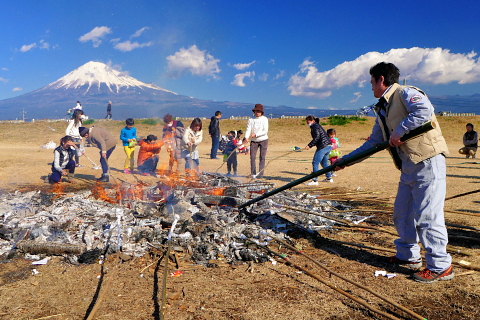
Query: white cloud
[
  {"x": 5, "y": 69},
  {"x": 17, "y": 89},
  {"x": 420, "y": 65},
  {"x": 242, "y": 66},
  {"x": 279, "y": 75},
  {"x": 3, "y": 80},
  {"x": 272, "y": 61},
  {"x": 240, "y": 78},
  {"x": 95, "y": 35},
  {"x": 28, "y": 47},
  {"x": 117, "y": 67},
  {"x": 357, "y": 95},
  {"x": 44, "y": 45},
  {"x": 129, "y": 46},
  {"x": 263, "y": 77},
  {"x": 193, "y": 60},
  {"x": 138, "y": 33}
]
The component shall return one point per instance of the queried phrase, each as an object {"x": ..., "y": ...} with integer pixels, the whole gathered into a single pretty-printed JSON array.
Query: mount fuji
[{"x": 95, "y": 83}]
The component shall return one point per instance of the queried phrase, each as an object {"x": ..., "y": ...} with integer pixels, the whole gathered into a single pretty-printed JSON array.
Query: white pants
[{"x": 418, "y": 213}]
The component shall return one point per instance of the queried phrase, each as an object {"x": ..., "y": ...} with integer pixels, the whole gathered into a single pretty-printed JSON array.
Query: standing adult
[
  {"x": 214, "y": 132},
  {"x": 418, "y": 209},
  {"x": 109, "y": 110},
  {"x": 172, "y": 135},
  {"x": 257, "y": 135},
  {"x": 320, "y": 140},
  {"x": 103, "y": 140},
  {"x": 73, "y": 131},
  {"x": 470, "y": 142}
]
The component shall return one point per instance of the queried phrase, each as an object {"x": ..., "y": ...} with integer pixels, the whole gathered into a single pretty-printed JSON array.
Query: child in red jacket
[{"x": 148, "y": 155}]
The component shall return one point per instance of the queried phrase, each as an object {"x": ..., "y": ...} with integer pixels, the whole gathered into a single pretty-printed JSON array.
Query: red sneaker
[
  {"x": 428, "y": 276},
  {"x": 411, "y": 264}
]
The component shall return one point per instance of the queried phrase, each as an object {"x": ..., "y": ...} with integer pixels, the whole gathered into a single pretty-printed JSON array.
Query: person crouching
[
  {"x": 148, "y": 155},
  {"x": 63, "y": 163}
]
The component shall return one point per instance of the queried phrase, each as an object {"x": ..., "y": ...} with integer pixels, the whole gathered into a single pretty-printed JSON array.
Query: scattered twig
[
  {"x": 466, "y": 265},
  {"x": 331, "y": 286},
  {"x": 460, "y": 226},
  {"x": 462, "y": 194},
  {"x": 413, "y": 314},
  {"x": 52, "y": 316},
  {"x": 343, "y": 222},
  {"x": 461, "y": 212}
]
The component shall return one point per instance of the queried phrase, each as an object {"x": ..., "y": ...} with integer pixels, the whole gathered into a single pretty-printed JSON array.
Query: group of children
[
  {"x": 147, "y": 155},
  {"x": 66, "y": 156},
  {"x": 181, "y": 145}
]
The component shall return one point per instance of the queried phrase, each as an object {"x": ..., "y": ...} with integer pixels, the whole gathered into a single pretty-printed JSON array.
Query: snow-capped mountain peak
[{"x": 93, "y": 74}]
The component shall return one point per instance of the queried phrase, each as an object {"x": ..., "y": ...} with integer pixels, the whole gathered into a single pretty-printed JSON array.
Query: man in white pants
[{"x": 418, "y": 209}]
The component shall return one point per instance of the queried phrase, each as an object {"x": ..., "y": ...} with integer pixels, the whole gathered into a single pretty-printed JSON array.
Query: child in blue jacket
[
  {"x": 230, "y": 153},
  {"x": 128, "y": 135}
]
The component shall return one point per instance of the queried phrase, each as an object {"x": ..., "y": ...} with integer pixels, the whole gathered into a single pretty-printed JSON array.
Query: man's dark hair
[
  {"x": 217, "y": 113},
  {"x": 129, "y": 122},
  {"x": 389, "y": 71},
  {"x": 469, "y": 124}
]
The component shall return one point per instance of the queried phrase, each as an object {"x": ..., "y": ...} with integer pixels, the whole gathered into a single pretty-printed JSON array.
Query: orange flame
[
  {"x": 217, "y": 191},
  {"x": 58, "y": 189},
  {"x": 98, "y": 192}
]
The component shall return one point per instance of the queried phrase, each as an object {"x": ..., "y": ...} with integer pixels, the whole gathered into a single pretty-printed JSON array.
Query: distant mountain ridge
[{"x": 95, "y": 83}]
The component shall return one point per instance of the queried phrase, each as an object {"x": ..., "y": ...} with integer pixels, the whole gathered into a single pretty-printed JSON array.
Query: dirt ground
[{"x": 133, "y": 289}]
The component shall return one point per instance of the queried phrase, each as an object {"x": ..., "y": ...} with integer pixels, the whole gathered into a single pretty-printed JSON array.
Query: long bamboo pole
[
  {"x": 393, "y": 303},
  {"x": 332, "y": 286},
  {"x": 351, "y": 160}
]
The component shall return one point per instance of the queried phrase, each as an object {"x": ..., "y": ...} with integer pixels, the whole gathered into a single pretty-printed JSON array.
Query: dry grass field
[{"x": 64, "y": 291}]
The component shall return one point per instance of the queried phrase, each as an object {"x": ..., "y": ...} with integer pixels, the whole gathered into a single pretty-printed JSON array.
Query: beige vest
[{"x": 422, "y": 147}]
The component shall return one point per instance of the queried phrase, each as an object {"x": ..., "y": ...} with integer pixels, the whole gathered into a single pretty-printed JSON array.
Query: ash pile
[{"x": 133, "y": 219}]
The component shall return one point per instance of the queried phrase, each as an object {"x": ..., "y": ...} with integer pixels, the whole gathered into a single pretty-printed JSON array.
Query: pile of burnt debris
[{"x": 207, "y": 223}]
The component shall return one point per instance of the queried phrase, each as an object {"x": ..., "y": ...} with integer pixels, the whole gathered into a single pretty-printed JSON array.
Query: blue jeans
[
  {"x": 215, "y": 145},
  {"x": 57, "y": 175},
  {"x": 149, "y": 165},
  {"x": 103, "y": 161},
  {"x": 321, "y": 157},
  {"x": 191, "y": 159}
]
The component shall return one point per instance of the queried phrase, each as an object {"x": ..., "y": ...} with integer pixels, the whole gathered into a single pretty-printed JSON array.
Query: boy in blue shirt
[{"x": 128, "y": 135}]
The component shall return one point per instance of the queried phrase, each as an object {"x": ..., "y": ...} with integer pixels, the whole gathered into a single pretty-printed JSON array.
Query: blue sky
[{"x": 306, "y": 54}]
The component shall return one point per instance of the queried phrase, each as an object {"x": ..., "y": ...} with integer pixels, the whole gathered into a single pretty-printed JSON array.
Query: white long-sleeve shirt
[
  {"x": 259, "y": 126},
  {"x": 72, "y": 129}
]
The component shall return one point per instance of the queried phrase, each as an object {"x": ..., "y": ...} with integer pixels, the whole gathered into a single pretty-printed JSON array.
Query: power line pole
[{"x": 23, "y": 114}]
